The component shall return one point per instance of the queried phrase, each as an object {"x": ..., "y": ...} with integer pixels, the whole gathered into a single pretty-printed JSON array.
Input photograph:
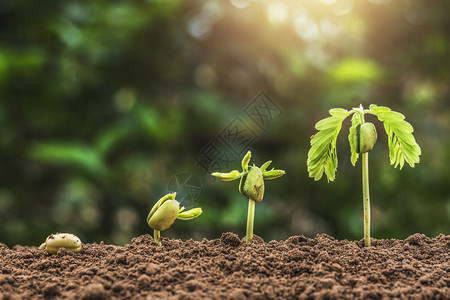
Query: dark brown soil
[{"x": 227, "y": 268}]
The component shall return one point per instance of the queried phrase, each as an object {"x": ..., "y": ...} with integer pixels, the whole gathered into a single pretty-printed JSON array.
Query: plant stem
[
  {"x": 250, "y": 218},
  {"x": 157, "y": 237},
  {"x": 366, "y": 197}
]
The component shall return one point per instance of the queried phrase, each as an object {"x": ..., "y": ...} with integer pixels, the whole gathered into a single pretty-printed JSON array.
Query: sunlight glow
[
  {"x": 305, "y": 27},
  {"x": 328, "y": 2},
  {"x": 240, "y": 3},
  {"x": 342, "y": 7},
  {"x": 277, "y": 12},
  {"x": 379, "y": 1},
  {"x": 200, "y": 25},
  {"x": 330, "y": 28},
  {"x": 416, "y": 13}
]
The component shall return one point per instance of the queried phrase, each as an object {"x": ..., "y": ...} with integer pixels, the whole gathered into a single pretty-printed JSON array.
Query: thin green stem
[
  {"x": 366, "y": 197},
  {"x": 157, "y": 237},
  {"x": 250, "y": 218}
]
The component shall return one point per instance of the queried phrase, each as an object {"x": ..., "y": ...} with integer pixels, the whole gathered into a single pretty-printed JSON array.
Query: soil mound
[{"x": 229, "y": 268}]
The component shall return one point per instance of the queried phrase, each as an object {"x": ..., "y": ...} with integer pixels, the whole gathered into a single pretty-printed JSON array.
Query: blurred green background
[{"x": 105, "y": 104}]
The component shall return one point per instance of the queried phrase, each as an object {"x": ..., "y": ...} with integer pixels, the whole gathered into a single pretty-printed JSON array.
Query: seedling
[
  {"x": 164, "y": 213},
  {"x": 251, "y": 185},
  {"x": 61, "y": 240},
  {"x": 322, "y": 157}
]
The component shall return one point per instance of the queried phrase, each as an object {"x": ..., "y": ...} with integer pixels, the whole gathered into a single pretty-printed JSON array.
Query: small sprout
[
  {"x": 164, "y": 213},
  {"x": 61, "y": 240},
  {"x": 251, "y": 185},
  {"x": 322, "y": 157}
]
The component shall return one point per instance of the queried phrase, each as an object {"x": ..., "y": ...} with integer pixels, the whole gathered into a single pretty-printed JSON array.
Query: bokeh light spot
[
  {"x": 205, "y": 76},
  {"x": 356, "y": 70},
  {"x": 380, "y": 2},
  {"x": 328, "y": 2},
  {"x": 201, "y": 24},
  {"x": 125, "y": 99},
  {"x": 305, "y": 27},
  {"x": 277, "y": 12},
  {"x": 240, "y": 3},
  {"x": 126, "y": 218},
  {"x": 329, "y": 27},
  {"x": 415, "y": 13},
  {"x": 342, "y": 7}
]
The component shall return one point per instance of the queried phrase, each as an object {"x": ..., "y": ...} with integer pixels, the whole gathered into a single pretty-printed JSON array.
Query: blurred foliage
[{"x": 103, "y": 103}]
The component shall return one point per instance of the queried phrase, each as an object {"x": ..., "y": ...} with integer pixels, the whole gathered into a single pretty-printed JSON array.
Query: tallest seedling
[{"x": 322, "y": 157}]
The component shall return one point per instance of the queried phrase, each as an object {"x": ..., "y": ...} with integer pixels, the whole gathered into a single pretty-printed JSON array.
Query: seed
[
  {"x": 367, "y": 135},
  {"x": 252, "y": 184},
  {"x": 61, "y": 240},
  {"x": 165, "y": 215}
]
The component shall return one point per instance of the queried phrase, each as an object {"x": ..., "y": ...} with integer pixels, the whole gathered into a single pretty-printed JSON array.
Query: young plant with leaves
[
  {"x": 322, "y": 157},
  {"x": 165, "y": 212},
  {"x": 251, "y": 185}
]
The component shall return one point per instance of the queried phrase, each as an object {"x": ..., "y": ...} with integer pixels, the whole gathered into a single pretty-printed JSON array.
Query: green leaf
[
  {"x": 245, "y": 161},
  {"x": 352, "y": 138},
  {"x": 265, "y": 165},
  {"x": 378, "y": 109},
  {"x": 190, "y": 214},
  {"x": 404, "y": 126},
  {"x": 392, "y": 116},
  {"x": 327, "y": 123},
  {"x": 322, "y": 136},
  {"x": 331, "y": 165},
  {"x": 233, "y": 175},
  {"x": 273, "y": 174},
  {"x": 322, "y": 157},
  {"x": 402, "y": 144},
  {"x": 339, "y": 112}
]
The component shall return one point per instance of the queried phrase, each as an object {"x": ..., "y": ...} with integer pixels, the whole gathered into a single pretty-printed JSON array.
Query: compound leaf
[
  {"x": 402, "y": 144},
  {"x": 322, "y": 157},
  {"x": 352, "y": 138}
]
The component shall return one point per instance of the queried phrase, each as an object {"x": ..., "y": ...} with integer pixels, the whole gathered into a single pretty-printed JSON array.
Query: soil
[{"x": 228, "y": 268}]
